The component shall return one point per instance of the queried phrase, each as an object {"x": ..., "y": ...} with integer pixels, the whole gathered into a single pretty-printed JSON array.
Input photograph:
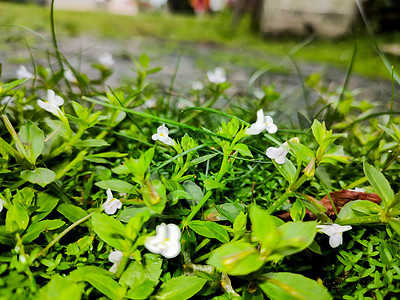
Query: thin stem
[
  {"x": 279, "y": 202},
  {"x": 54, "y": 241}
]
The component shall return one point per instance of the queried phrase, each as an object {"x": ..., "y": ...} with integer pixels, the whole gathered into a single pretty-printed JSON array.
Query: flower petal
[
  {"x": 273, "y": 152},
  {"x": 174, "y": 233},
  {"x": 172, "y": 249},
  {"x": 271, "y": 128},
  {"x": 336, "y": 240},
  {"x": 115, "y": 256},
  {"x": 109, "y": 195}
]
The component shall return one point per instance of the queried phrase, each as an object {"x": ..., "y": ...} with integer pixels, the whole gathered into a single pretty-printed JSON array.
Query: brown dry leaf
[{"x": 339, "y": 198}]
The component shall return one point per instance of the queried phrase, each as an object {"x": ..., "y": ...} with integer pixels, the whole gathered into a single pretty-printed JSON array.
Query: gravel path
[{"x": 195, "y": 60}]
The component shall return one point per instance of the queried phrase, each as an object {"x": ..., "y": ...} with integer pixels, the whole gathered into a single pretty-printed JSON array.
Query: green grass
[{"x": 241, "y": 47}]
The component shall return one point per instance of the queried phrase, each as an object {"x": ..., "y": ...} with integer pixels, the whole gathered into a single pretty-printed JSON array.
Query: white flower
[
  {"x": 197, "y": 86},
  {"x": 262, "y": 123},
  {"x": 52, "y": 104},
  {"x": 166, "y": 241},
  {"x": 217, "y": 77},
  {"x": 69, "y": 76},
  {"x": 106, "y": 59},
  {"x": 334, "y": 232},
  {"x": 112, "y": 204},
  {"x": 2, "y": 202},
  {"x": 278, "y": 154},
  {"x": 23, "y": 73},
  {"x": 115, "y": 257},
  {"x": 162, "y": 136}
]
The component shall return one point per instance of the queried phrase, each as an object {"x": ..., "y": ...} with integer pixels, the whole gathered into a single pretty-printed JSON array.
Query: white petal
[
  {"x": 174, "y": 233},
  {"x": 336, "y": 240},
  {"x": 163, "y": 130},
  {"x": 172, "y": 249},
  {"x": 255, "y": 128},
  {"x": 281, "y": 159},
  {"x": 114, "y": 268},
  {"x": 1, "y": 204},
  {"x": 109, "y": 195},
  {"x": 155, "y": 137},
  {"x": 167, "y": 140},
  {"x": 273, "y": 152},
  {"x": 260, "y": 116},
  {"x": 272, "y": 128},
  {"x": 115, "y": 256},
  {"x": 327, "y": 229},
  {"x": 110, "y": 210}
]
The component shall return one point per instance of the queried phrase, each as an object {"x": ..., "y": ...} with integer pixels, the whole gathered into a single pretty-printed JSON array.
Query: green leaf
[
  {"x": 131, "y": 211},
  {"x": 237, "y": 258},
  {"x": 264, "y": 228},
  {"x": 202, "y": 159},
  {"x": 40, "y": 176},
  {"x": 194, "y": 190},
  {"x": 180, "y": 288},
  {"x": 46, "y": 203},
  {"x": 36, "y": 229},
  {"x": 71, "y": 212},
  {"x": 294, "y": 237},
  {"x": 17, "y": 218},
  {"x": 287, "y": 170},
  {"x": 91, "y": 143},
  {"x": 210, "y": 230},
  {"x": 33, "y": 139},
  {"x": 211, "y": 184},
  {"x": 301, "y": 152},
  {"x": 106, "y": 285},
  {"x": 289, "y": 286},
  {"x": 379, "y": 183},
  {"x": 60, "y": 288},
  {"x": 115, "y": 185},
  {"x": 298, "y": 210},
  {"x": 243, "y": 150},
  {"x": 110, "y": 230},
  {"x": 142, "y": 278}
]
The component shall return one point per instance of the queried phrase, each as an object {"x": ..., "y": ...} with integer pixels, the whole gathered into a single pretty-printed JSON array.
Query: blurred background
[{"x": 286, "y": 41}]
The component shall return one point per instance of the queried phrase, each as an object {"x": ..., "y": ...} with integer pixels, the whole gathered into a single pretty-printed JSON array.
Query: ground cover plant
[{"x": 120, "y": 192}]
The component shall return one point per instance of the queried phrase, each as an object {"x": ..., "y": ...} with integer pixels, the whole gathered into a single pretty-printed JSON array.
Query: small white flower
[
  {"x": 278, "y": 154},
  {"x": 218, "y": 76},
  {"x": 162, "y": 136},
  {"x": 106, "y": 59},
  {"x": 197, "y": 86},
  {"x": 115, "y": 257},
  {"x": 262, "y": 123},
  {"x": 166, "y": 241},
  {"x": 69, "y": 76},
  {"x": 52, "y": 104},
  {"x": 2, "y": 202},
  {"x": 112, "y": 204},
  {"x": 23, "y": 73},
  {"x": 335, "y": 233}
]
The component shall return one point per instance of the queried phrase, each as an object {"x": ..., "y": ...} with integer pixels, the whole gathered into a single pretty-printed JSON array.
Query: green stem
[
  {"x": 221, "y": 173},
  {"x": 78, "y": 158},
  {"x": 122, "y": 265},
  {"x": 299, "y": 182},
  {"x": 356, "y": 183},
  {"x": 54, "y": 241},
  {"x": 279, "y": 202}
]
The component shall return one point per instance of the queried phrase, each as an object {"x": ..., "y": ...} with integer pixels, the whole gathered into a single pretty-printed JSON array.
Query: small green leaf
[
  {"x": 210, "y": 230},
  {"x": 237, "y": 258},
  {"x": 110, "y": 230},
  {"x": 71, "y": 212},
  {"x": 60, "y": 288},
  {"x": 211, "y": 184},
  {"x": 40, "y": 176},
  {"x": 289, "y": 286},
  {"x": 287, "y": 170},
  {"x": 106, "y": 285},
  {"x": 243, "y": 150},
  {"x": 36, "y": 229},
  {"x": 379, "y": 183},
  {"x": 91, "y": 143},
  {"x": 46, "y": 203},
  {"x": 180, "y": 288},
  {"x": 33, "y": 139},
  {"x": 115, "y": 185},
  {"x": 17, "y": 218}
]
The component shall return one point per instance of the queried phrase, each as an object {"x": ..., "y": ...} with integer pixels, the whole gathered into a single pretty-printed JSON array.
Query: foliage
[{"x": 88, "y": 183}]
